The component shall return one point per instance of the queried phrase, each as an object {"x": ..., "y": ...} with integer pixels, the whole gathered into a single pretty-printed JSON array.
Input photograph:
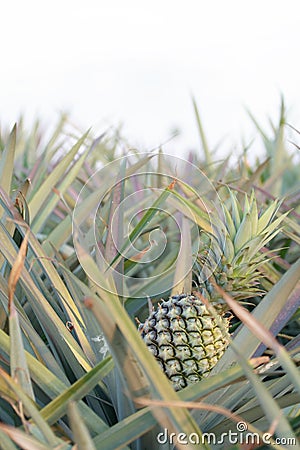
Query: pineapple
[
  {"x": 181, "y": 333},
  {"x": 184, "y": 338}
]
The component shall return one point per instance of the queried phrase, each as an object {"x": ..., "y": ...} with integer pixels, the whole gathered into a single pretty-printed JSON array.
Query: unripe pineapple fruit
[
  {"x": 181, "y": 333},
  {"x": 184, "y": 338}
]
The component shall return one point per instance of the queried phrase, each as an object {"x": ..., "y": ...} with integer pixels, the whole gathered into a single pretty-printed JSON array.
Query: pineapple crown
[{"x": 232, "y": 256}]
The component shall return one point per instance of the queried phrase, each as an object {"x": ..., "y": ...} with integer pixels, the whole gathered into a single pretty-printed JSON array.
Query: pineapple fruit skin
[{"x": 184, "y": 338}]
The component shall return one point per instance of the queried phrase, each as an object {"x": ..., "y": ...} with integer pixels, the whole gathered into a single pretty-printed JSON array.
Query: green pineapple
[
  {"x": 184, "y": 338},
  {"x": 181, "y": 333}
]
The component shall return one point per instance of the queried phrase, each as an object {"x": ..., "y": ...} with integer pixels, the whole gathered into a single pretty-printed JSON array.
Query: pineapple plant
[
  {"x": 181, "y": 332},
  {"x": 74, "y": 370}
]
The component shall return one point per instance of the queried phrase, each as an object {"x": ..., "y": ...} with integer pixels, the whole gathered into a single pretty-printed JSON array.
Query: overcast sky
[{"x": 138, "y": 63}]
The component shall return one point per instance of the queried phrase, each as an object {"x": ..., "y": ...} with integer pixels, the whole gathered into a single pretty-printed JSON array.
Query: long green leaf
[
  {"x": 81, "y": 434},
  {"x": 144, "y": 222},
  {"x": 266, "y": 311},
  {"x": 207, "y": 152},
  {"x": 32, "y": 411},
  {"x": 6, "y": 171},
  {"x": 58, "y": 407},
  {"x": 18, "y": 363},
  {"x": 7, "y": 162},
  {"x": 61, "y": 188},
  {"x": 50, "y": 384},
  {"x": 37, "y": 201}
]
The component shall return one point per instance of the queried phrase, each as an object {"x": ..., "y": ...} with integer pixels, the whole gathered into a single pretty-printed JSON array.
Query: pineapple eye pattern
[
  {"x": 184, "y": 338},
  {"x": 129, "y": 219}
]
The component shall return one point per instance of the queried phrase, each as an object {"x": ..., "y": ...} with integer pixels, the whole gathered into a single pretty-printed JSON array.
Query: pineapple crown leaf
[
  {"x": 233, "y": 252},
  {"x": 268, "y": 215}
]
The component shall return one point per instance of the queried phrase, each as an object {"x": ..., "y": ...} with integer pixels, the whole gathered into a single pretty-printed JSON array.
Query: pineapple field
[{"x": 148, "y": 301}]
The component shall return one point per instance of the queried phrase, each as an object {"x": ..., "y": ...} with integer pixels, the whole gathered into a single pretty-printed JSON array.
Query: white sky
[{"x": 138, "y": 62}]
